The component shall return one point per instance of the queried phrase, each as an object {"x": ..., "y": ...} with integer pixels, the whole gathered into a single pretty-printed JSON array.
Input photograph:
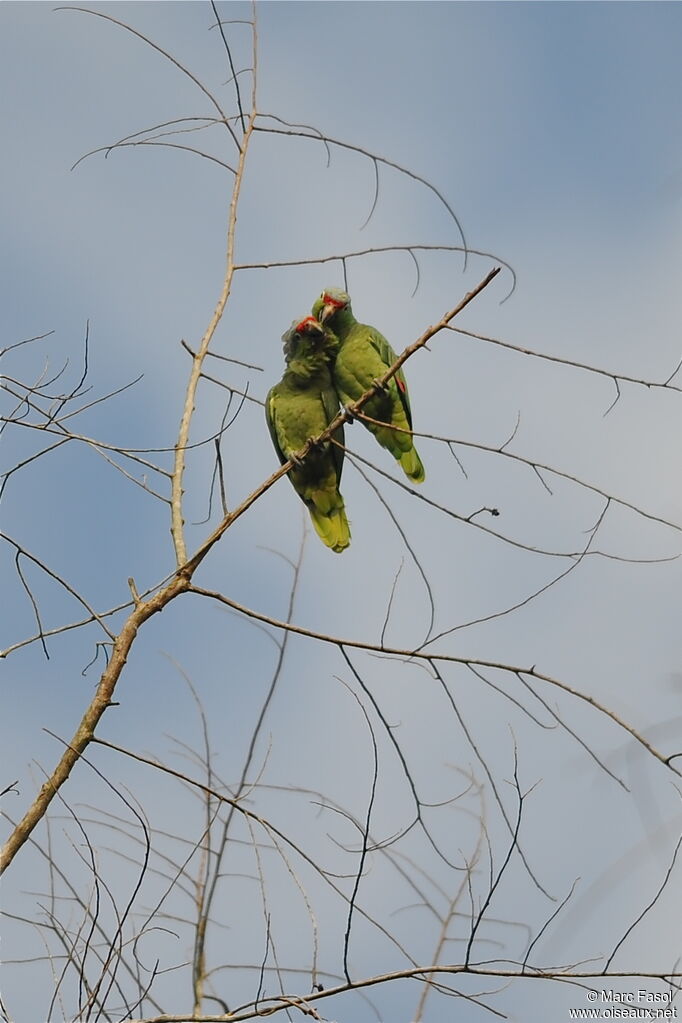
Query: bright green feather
[
  {"x": 301, "y": 406},
  {"x": 364, "y": 356}
]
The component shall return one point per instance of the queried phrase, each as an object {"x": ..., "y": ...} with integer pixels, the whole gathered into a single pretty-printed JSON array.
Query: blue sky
[{"x": 553, "y": 131}]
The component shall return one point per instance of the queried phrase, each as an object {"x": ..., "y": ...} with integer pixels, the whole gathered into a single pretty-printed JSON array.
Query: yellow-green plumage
[
  {"x": 301, "y": 406},
  {"x": 363, "y": 357}
]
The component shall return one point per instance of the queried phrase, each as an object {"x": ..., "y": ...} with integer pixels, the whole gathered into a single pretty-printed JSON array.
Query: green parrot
[
  {"x": 300, "y": 406},
  {"x": 363, "y": 357}
]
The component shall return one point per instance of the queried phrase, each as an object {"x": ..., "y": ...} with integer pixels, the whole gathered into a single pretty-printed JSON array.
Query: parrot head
[
  {"x": 307, "y": 346},
  {"x": 308, "y": 329},
  {"x": 331, "y": 302},
  {"x": 309, "y": 326}
]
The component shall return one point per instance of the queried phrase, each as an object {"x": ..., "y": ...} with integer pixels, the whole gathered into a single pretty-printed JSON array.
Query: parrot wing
[
  {"x": 388, "y": 357},
  {"x": 270, "y": 407},
  {"x": 330, "y": 402}
]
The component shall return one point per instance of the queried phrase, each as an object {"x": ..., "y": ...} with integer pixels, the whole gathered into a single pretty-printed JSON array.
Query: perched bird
[
  {"x": 301, "y": 406},
  {"x": 363, "y": 357}
]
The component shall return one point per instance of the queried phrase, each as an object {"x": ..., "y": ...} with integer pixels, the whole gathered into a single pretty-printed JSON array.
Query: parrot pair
[{"x": 330, "y": 356}]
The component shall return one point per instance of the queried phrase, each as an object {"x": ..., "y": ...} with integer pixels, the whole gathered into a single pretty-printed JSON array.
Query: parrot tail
[
  {"x": 331, "y": 527},
  {"x": 403, "y": 450},
  {"x": 412, "y": 465}
]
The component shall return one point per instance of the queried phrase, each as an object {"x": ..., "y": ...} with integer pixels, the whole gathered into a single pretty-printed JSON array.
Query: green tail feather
[
  {"x": 412, "y": 466},
  {"x": 403, "y": 450},
  {"x": 331, "y": 527}
]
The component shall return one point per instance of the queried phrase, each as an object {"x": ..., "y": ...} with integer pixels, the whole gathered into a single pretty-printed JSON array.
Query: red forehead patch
[
  {"x": 328, "y": 300},
  {"x": 300, "y": 327}
]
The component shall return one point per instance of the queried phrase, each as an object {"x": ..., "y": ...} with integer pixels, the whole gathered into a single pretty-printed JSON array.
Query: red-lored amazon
[
  {"x": 301, "y": 406},
  {"x": 363, "y": 357}
]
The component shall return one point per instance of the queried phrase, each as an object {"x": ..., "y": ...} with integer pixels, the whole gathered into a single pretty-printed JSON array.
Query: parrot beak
[{"x": 327, "y": 310}]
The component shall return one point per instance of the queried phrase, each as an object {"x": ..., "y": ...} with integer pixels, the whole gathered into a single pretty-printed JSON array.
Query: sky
[{"x": 551, "y": 129}]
